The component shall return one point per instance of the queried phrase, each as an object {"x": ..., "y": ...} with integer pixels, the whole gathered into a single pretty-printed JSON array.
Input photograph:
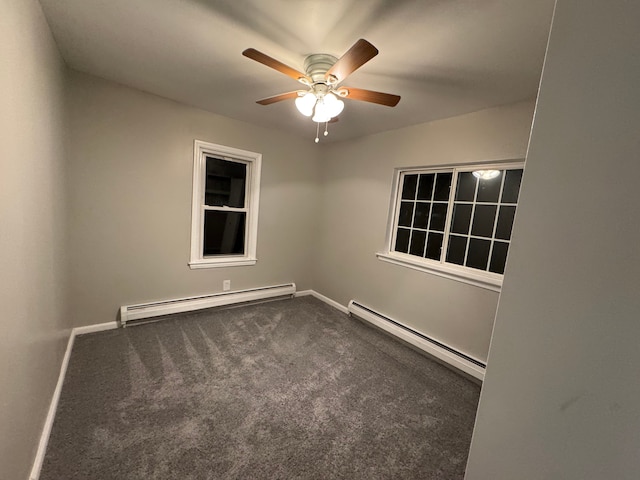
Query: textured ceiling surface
[{"x": 444, "y": 57}]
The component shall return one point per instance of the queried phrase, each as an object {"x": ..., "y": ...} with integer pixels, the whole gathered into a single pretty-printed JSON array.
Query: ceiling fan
[{"x": 322, "y": 78}]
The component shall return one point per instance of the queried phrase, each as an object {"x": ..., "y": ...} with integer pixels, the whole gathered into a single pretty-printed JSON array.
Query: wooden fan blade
[
  {"x": 260, "y": 57},
  {"x": 334, "y": 120},
  {"x": 380, "y": 98},
  {"x": 278, "y": 98},
  {"x": 359, "y": 54}
]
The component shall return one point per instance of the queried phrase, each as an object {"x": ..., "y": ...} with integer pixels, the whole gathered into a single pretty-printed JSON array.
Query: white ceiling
[{"x": 444, "y": 57}]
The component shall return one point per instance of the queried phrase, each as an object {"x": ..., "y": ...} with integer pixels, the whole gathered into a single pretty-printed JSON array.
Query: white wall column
[{"x": 561, "y": 398}]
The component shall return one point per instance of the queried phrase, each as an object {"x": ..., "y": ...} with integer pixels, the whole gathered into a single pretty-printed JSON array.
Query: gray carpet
[{"x": 291, "y": 389}]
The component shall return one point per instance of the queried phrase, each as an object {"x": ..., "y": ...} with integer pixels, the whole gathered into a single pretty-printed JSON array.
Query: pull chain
[
  {"x": 317, "y": 132},
  {"x": 326, "y": 128}
]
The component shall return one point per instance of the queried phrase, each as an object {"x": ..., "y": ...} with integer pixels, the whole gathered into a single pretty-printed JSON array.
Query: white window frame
[
  {"x": 252, "y": 195},
  {"x": 487, "y": 280}
]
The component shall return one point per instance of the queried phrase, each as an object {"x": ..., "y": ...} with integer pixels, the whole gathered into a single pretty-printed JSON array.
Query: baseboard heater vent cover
[
  {"x": 434, "y": 347},
  {"x": 140, "y": 313}
]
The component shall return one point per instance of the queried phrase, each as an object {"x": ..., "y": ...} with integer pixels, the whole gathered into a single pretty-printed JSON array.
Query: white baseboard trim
[
  {"x": 326, "y": 300},
  {"x": 435, "y": 348},
  {"x": 143, "y": 311},
  {"x": 99, "y": 327},
  {"x": 53, "y": 406}
]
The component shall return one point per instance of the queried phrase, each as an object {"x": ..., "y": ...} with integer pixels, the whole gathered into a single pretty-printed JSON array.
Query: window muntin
[
  {"x": 447, "y": 217},
  {"x": 225, "y": 206}
]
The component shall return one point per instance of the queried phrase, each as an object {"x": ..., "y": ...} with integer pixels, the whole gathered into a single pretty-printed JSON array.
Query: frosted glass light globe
[
  {"x": 333, "y": 105},
  {"x": 305, "y": 104},
  {"x": 322, "y": 112}
]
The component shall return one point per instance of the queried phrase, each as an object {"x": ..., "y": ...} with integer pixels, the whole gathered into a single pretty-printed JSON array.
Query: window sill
[
  {"x": 221, "y": 262},
  {"x": 488, "y": 281}
]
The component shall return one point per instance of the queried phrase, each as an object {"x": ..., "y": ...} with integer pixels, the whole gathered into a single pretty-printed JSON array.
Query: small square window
[
  {"x": 406, "y": 214},
  {"x": 489, "y": 189},
  {"x": 443, "y": 187},
  {"x": 461, "y": 218},
  {"x": 425, "y": 187},
  {"x": 409, "y": 187},
  {"x": 457, "y": 249},
  {"x": 434, "y": 246},
  {"x": 421, "y": 218},
  {"x": 511, "y": 189},
  {"x": 498, "y": 257},
  {"x": 438, "y": 217},
  {"x": 402, "y": 240},
  {"x": 467, "y": 184},
  {"x": 505, "y": 222},
  {"x": 478, "y": 254},
  {"x": 418, "y": 239},
  {"x": 484, "y": 218}
]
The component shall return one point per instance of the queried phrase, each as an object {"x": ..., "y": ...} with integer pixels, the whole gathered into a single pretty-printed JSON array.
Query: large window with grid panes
[{"x": 455, "y": 220}]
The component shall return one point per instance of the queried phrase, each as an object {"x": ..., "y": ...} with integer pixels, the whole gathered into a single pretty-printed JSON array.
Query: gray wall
[
  {"x": 356, "y": 190},
  {"x": 32, "y": 226},
  {"x": 561, "y": 398},
  {"x": 130, "y": 164},
  {"x": 130, "y": 180}
]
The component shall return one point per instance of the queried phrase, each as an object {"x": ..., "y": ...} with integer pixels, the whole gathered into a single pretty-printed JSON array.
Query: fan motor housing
[{"x": 317, "y": 65}]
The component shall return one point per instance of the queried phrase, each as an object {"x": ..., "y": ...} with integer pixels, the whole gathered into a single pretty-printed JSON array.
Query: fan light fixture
[
  {"x": 322, "y": 107},
  {"x": 486, "y": 174},
  {"x": 323, "y": 73}
]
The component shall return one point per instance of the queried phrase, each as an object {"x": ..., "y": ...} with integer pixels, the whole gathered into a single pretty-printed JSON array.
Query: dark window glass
[
  {"x": 223, "y": 233},
  {"x": 402, "y": 240},
  {"x": 511, "y": 188},
  {"x": 489, "y": 190},
  {"x": 505, "y": 222},
  {"x": 466, "y": 189},
  {"x": 478, "y": 254},
  {"x": 406, "y": 212},
  {"x": 443, "y": 185},
  {"x": 434, "y": 246},
  {"x": 225, "y": 183},
  {"x": 498, "y": 257},
  {"x": 461, "y": 218},
  {"x": 425, "y": 187},
  {"x": 421, "y": 218},
  {"x": 418, "y": 239},
  {"x": 457, "y": 247},
  {"x": 409, "y": 187},
  {"x": 438, "y": 216},
  {"x": 483, "y": 219}
]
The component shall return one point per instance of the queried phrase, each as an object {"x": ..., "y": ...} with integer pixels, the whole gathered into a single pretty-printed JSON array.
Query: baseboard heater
[
  {"x": 141, "y": 313},
  {"x": 434, "y": 347}
]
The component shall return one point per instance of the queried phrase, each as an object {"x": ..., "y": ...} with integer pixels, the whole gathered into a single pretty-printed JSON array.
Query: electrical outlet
[{"x": 226, "y": 285}]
